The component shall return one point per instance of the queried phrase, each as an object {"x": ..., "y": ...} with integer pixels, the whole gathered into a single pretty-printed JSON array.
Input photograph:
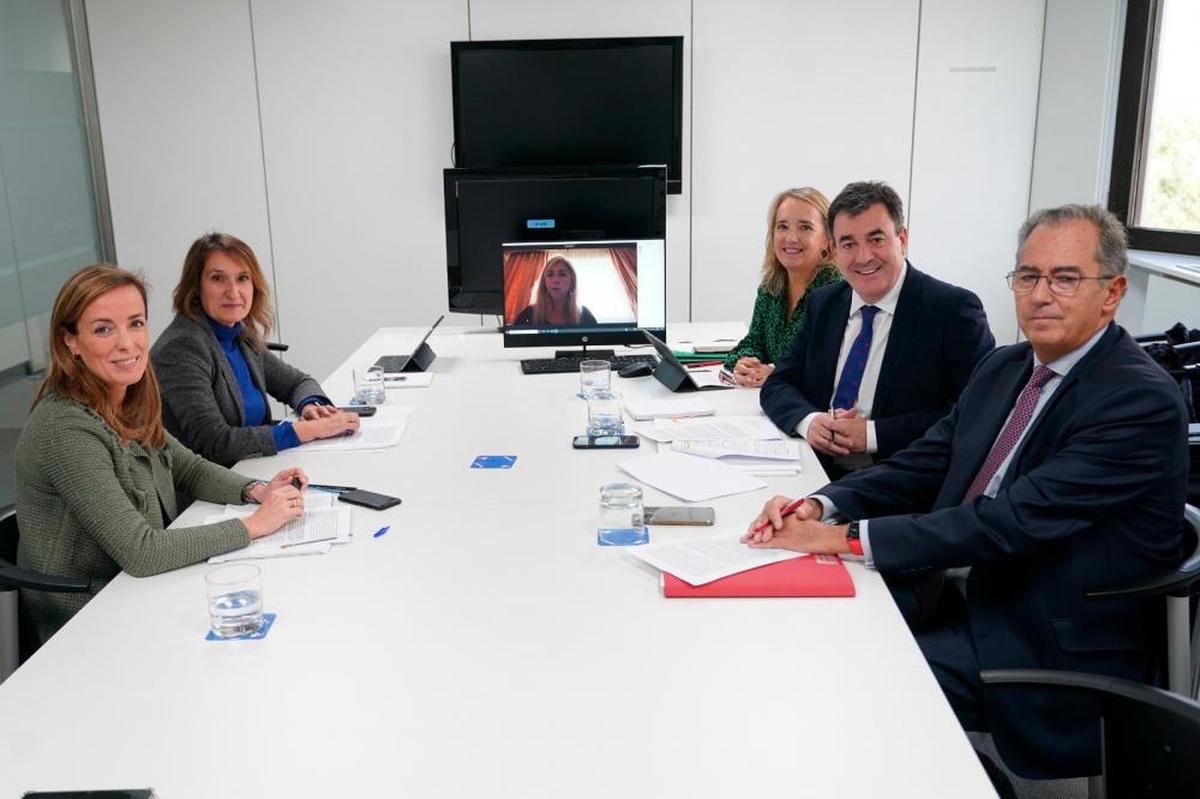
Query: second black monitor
[{"x": 486, "y": 208}]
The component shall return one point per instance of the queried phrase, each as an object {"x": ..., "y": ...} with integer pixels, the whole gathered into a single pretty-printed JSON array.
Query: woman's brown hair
[
  {"x": 139, "y": 417},
  {"x": 186, "y": 299}
]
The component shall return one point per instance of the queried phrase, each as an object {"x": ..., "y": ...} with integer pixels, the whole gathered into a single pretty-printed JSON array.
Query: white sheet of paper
[
  {"x": 314, "y": 526},
  {"x": 667, "y": 407},
  {"x": 745, "y": 448},
  {"x": 702, "y": 560},
  {"x": 755, "y": 427},
  {"x": 708, "y": 377},
  {"x": 380, "y": 431},
  {"x": 689, "y": 478}
]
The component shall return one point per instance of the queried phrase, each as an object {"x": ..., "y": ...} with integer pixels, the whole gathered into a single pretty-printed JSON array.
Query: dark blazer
[
  {"x": 938, "y": 334},
  {"x": 202, "y": 405},
  {"x": 1093, "y": 497}
]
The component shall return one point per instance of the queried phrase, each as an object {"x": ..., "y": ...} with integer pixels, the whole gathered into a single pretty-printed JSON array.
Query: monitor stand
[{"x": 584, "y": 353}]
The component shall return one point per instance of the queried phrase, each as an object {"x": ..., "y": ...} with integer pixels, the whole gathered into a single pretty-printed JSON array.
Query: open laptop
[
  {"x": 675, "y": 376},
  {"x": 416, "y": 361}
]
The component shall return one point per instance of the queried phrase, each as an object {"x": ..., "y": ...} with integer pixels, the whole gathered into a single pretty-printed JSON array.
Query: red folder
[{"x": 811, "y": 575}]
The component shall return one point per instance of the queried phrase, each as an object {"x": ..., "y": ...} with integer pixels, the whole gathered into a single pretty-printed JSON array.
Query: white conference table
[{"x": 486, "y": 646}]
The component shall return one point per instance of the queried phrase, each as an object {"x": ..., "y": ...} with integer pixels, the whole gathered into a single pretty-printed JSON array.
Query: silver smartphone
[{"x": 679, "y": 514}]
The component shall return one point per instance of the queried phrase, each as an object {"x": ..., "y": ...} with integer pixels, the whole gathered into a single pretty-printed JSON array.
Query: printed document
[
  {"x": 317, "y": 526},
  {"x": 380, "y": 431},
  {"x": 702, "y": 560},
  {"x": 689, "y": 478},
  {"x": 667, "y": 407},
  {"x": 773, "y": 450},
  {"x": 714, "y": 427}
]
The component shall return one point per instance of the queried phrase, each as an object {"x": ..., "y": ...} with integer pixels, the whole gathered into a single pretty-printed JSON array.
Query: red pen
[
  {"x": 704, "y": 364},
  {"x": 788, "y": 510}
]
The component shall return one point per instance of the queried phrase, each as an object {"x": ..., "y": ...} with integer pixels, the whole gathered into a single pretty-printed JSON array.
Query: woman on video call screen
[{"x": 578, "y": 286}]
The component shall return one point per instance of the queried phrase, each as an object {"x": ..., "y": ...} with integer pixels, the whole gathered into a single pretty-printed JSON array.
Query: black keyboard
[{"x": 552, "y": 366}]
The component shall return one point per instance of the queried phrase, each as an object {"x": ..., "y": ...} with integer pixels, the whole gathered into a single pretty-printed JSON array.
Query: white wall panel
[
  {"x": 789, "y": 94},
  {"x": 554, "y": 19},
  {"x": 175, "y": 89},
  {"x": 356, "y": 123},
  {"x": 977, "y": 91}
]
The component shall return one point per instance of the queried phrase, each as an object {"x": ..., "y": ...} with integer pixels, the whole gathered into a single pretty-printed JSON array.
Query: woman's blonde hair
[
  {"x": 139, "y": 416},
  {"x": 186, "y": 298},
  {"x": 774, "y": 275},
  {"x": 541, "y": 307}
]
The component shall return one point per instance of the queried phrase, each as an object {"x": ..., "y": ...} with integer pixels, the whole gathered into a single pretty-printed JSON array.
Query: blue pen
[{"x": 381, "y": 531}]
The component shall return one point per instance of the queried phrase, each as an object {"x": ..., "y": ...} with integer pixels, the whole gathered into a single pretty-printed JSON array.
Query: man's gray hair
[{"x": 1113, "y": 243}]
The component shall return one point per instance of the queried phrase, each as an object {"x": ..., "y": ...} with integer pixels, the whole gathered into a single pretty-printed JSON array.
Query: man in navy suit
[
  {"x": 1063, "y": 467},
  {"x": 881, "y": 356}
]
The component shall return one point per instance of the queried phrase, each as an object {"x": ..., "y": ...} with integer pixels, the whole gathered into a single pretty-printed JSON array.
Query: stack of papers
[
  {"x": 689, "y": 478},
  {"x": 756, "y": 457},
  {"x": 667, "y": 408},
  {"x": 744, "y": 427},
  {"x": 322, "y": 525},
  {"x": 380, "y": 431},
  {"x": 702, "y": 560}
]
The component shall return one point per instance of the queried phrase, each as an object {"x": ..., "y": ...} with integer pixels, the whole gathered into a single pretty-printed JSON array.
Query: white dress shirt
[{"x": 881, "y": 329}]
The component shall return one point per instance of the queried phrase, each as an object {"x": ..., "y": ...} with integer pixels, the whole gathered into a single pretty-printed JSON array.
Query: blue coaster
[
  {"x": 261, "y": 632},
  {"x": 493, "y": 461}
]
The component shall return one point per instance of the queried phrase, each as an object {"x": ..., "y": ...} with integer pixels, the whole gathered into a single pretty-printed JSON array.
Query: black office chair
[
  {"x": 277, "y": 346},
  {"x": 12, "y": 578},
  {"x": 1176, "y": 586},
  {"x": 1151, "y": 737}
]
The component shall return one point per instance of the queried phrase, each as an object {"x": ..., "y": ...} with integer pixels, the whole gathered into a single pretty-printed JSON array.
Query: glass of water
[
  {"x": 235, "y": 605},
  {"x": 594, "y": 377},
  {"x": 604, "y": 414},
  {"x": 368, "y": 386},
  {"x": 622, "y": 519}
]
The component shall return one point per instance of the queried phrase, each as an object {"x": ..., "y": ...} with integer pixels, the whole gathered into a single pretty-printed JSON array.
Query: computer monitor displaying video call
[{"x": 583, "y": 292}]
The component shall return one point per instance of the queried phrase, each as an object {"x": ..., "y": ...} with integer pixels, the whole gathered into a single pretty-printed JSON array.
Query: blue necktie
[{"x": 846, "y": 396}]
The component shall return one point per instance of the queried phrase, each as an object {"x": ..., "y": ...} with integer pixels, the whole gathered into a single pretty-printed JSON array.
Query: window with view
[{"x": 1155, "y": 185}]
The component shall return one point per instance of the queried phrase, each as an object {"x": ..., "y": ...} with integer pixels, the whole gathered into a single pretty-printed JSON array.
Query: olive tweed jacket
[{"x": 90, "y": 506}]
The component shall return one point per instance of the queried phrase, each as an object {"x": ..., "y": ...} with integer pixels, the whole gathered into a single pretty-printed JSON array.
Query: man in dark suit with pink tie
[{"x": 1063, "y": 467}]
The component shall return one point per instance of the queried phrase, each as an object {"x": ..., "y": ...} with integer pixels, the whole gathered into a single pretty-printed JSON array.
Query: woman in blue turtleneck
[{"x": 215, "y": 371}]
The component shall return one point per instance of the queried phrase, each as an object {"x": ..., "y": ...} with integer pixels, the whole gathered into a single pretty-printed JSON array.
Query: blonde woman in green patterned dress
[{"x": 798, "y": 260}]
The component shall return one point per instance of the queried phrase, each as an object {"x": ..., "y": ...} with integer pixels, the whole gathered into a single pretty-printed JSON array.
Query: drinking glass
[
  {"x": 235, "y": 605},
  {"x": 604, "y": 414},
  {"x": 369, "y": 386},
  {"x": 594, "y": 376},
  {"x": 622, "y": 518}
]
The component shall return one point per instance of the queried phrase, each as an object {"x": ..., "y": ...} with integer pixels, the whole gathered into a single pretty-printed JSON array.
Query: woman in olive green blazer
[{"x": 96, "y": 472}]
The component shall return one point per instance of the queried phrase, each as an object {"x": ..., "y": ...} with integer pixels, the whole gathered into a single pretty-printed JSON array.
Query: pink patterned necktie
[{"x": 1022, "y": 413}]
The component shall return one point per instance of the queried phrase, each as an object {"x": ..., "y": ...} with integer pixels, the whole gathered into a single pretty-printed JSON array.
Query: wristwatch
[{"x": 853, "y": 539}]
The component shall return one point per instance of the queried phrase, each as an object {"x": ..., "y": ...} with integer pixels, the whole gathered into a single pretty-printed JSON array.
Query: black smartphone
[
  {"x": 606, "y": 442},
  {"x": 680, "y": 514},
  {"x": 368, "y": 499},
  {"x": 361, "y": 410}
]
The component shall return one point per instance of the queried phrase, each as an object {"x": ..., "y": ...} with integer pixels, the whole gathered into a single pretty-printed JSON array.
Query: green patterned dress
[{"x": 771, "y": 332}]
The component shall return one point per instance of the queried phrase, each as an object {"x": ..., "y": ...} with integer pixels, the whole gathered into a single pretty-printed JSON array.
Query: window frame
[{"x": 1131, "y": 133}]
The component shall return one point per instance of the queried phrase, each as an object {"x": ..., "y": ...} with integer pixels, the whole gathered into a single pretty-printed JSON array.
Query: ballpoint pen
[
  {"x": 381, "y": 531},
  {"x": 306, "y": 543},
  {"x": 788, "y": 510},
  {"x": 332, "y": 488}
]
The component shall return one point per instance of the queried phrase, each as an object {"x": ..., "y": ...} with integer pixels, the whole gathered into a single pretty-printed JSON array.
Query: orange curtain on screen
[
  {"x": 521, "y": 271},
  {"x": 625, "y": 262}
]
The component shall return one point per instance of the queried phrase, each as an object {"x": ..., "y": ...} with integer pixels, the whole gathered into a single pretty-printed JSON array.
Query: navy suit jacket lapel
[{"x": 905, "y": 325}]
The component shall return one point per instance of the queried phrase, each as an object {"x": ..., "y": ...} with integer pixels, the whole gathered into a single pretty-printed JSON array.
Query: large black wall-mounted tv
[
  {"x": 569, "y": 102},
  {"x": 487, "y": 208}
]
